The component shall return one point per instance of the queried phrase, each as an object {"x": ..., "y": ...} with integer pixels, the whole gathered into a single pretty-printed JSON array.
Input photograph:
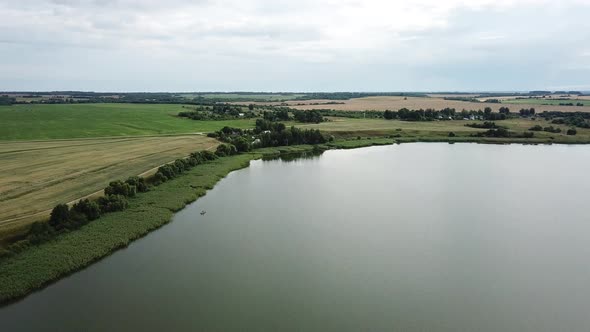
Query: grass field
[
  {"x": 395, "y": 103},
  {"x": 37, "y": 122},
  {"x": 40, "y": 174}
]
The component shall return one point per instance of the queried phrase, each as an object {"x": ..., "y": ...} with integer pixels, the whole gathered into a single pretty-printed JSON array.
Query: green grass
[
  {"x": 40, "y": 265},
  {"x": 62, "y": 121},
  {"x": 541, "y": 101}
]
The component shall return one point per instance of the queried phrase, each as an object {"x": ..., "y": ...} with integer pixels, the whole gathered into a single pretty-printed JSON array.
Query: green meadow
[{"x": 63, "y": 121}]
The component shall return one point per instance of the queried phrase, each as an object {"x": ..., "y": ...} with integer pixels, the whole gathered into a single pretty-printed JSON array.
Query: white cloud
[{"x": 264, "y": 38}]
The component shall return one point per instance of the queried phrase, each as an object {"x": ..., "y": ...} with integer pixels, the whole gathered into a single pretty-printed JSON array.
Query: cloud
[{"x": 422, "y": 44}]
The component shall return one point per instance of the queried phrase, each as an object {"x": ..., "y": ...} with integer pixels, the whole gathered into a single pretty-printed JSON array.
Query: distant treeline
[
  {"x": 216, "y": 112},
  {"x": 282, "y": 114},
  {"x": 572, "y": 119},
  {"x": 405, "y": 114},
  {"x": 350, "y": 95},
  {"x": 7, "y": 101}
]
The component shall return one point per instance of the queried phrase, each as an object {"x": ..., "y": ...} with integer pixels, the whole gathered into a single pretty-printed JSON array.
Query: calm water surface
[{"x": 416, "y": 237}]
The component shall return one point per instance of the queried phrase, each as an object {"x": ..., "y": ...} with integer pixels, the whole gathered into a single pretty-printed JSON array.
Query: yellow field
[
  {"x": 37, "y": 175},
  {"x": 395, "y": 103}
]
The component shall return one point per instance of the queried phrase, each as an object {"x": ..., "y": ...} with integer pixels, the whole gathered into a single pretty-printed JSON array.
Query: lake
[{"x": 413, "y": 237}]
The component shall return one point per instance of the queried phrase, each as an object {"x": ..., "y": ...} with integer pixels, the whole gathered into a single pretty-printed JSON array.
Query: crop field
[
  {"x": 39, "y": 122},
  {"x": 240, "y": 96},
  {"x": 545, "y": 101},
  {"x": 395, "y": 103},
  {"x": 348, "y": 127},
  {"x": 40, "y": 174}
]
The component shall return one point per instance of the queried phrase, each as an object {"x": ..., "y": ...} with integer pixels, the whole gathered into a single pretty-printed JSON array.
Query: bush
[
  {"x": 571, "y": 131},
  {"x": 120, "y": 188},
  {"x": 139, "y": 183},
  {"x": 111, "y": 203},
  {"x": 536, "y": 128},
  {"x": 242, "y": 144},
  {"x": 77, "y": 219},
  {"x": 226, "y": 150},
  {"x": 60, "y": 216},
  {"x": 208, "y": 155},
  {"x": 551, "y": 129},
  {"x": 452, "y": 134},
  {"x": 40, "y": 232},
  {"x": 160, "y": 177},
  {"x": 88, "y": 208}
]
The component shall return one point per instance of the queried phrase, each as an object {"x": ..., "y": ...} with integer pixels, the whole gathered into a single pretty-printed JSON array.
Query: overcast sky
[{"x": 304, "y": 45}]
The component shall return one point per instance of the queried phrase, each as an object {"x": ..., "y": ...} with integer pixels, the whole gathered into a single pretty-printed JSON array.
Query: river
[{"x": 413, "y": 237}]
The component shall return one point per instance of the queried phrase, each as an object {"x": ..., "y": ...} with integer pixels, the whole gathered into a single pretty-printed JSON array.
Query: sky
[{"x": 304, "y": 45}]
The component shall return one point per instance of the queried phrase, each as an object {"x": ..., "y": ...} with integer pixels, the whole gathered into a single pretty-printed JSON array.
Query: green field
[
  {"x": 59, "y": 121},
  {"x": 544, "y": 101}
]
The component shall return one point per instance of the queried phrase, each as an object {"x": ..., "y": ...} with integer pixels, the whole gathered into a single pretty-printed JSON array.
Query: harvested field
[
  {"x": 41, "y": 174},
  {"x": 347, "y": 127},
  {"x": 395, "y": 103}
]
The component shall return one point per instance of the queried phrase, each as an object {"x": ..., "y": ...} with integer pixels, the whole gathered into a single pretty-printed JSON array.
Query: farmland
[
  {"x": 425, "y": 130},
  {"x": 40, "y": 174},
  {"x": 546, "y": 101},
  {"x": 40, "y": 122},
  {"x": 382, "y": 103}
]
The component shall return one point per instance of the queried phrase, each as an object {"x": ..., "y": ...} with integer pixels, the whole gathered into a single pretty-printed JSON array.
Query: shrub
[
  {"x": 242, "y": 144},
  {"x": 77, "y": 219},
  {"x": 536, "y": 128},
  {"x": 120, "y": 188},
  {"x": 88, "y": 208},
  {"x": 571, "y": 131},
  {"x": 139, "y": 183},
  {"x": 208, "y": 155},
  {"x": 551, "y": 129},
  {"x": 111, "y": 203},
  {"x": 226, "y": 150},
  {"x": 60, "y": 215},
  {"x": 160, "y": 177},
  {"x": 40, "y": 232},
  {"x": 452, "y": 134}
]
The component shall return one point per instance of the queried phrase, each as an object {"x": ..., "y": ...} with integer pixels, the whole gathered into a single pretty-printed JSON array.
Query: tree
[
  {"x": 242, "y": 144},
  {"x": 388, "y": 115},
  {"x": 251, "y": 107},
  {"x": 111, "y": 203},
  {"x": 88, "y": 208},
  {"x": 571, "y": 131},
  {"x": 60, "y": 215},
  {"x": 226, "y": 150},
  {"x": 120, "y": 188}
]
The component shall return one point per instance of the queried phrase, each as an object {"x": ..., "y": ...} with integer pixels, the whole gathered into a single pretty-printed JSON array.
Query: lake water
[{"x": 413, "y": 237}]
